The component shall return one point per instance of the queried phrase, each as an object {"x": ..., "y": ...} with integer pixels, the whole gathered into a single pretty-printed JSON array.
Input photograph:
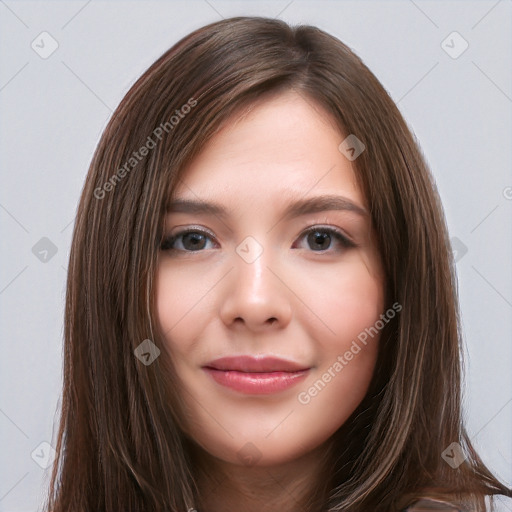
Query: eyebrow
[{"x": 294, "y": 208}]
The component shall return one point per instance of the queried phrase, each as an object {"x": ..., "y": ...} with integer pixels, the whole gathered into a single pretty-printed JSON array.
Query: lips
[
  {"x": 253, "y": 375},
  {"x": 255, "y": 365}
]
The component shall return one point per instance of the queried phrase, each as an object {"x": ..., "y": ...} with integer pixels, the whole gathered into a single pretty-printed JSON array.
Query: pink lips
[{"x": 251, "y": 375}]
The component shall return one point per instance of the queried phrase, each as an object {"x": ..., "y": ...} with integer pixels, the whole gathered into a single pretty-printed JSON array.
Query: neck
[{"x": 300, "y": 484}]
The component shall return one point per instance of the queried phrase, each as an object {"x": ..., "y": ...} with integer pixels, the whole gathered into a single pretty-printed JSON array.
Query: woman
[{"x": 261, "y": 306}]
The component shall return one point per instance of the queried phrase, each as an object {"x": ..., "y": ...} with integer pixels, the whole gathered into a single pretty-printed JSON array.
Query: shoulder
[{"x": 430, "y": 505}]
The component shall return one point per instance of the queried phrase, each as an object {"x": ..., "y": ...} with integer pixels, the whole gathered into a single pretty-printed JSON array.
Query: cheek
[
  {"x": 346, "y": 355},
  {"x": 182, "y": 303},
  {"x": 349, "y": 308},
  {"x": 349, "y": 300}
]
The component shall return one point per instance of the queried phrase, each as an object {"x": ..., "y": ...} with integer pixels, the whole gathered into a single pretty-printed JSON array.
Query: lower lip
[{"x": 257, "y": 383}]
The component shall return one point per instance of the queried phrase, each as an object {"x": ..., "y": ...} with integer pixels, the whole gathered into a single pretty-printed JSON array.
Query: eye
[
  {"x": 189, "y": 240},
  {"x": 322, "y": 238},
  {"x": 318, "y": 239}
]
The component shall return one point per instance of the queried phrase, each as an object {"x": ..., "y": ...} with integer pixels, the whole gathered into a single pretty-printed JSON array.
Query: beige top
[{"x": 429, "y": 505}]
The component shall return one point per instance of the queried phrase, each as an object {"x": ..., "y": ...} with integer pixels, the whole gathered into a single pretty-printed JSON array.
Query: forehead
[{"x": 281, "y": 146}]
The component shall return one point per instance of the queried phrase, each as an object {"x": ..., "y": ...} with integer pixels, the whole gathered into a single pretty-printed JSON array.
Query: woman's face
[{"x": 266, "y": 300}]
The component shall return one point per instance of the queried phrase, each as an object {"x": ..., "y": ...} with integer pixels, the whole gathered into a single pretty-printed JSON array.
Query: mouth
[{"x": 259, "y": 376}]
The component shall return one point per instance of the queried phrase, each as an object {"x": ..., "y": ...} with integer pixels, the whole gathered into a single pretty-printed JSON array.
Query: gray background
[{"x": 54, "y": 109}]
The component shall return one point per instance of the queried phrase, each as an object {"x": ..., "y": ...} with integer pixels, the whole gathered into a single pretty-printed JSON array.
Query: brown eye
[
  {"x": 321, "y": 239},
  {"x": 318, "y": 240},
  {"x": 188, "y": 241}
]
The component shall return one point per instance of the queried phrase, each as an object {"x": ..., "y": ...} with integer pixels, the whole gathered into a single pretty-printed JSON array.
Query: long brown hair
[{"x": 120, "y": 445}]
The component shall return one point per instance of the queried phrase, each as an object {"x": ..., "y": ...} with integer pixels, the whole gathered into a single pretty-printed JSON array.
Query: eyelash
[{"x": 346, "y": 243}]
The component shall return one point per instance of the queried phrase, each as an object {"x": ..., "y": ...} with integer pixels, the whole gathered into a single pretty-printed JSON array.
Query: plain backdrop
[{"x": 454, "y": 90}]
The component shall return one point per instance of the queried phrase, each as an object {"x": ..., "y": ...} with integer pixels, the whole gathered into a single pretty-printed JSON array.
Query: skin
[{"x": 303, "y": 300}]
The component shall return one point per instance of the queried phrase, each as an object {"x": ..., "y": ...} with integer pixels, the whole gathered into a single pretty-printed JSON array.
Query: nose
[{"x": 256, "y": 296}]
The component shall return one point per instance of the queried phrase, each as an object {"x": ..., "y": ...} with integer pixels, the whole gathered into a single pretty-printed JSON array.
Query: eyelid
[
  {"x": 186, "y": 229},
  {"x": 328, "y": 227},
  {"x": 206, "y": 231}
]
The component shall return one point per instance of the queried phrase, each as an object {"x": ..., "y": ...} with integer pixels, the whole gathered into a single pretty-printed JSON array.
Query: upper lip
[{"x": 251, "y": 364}]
